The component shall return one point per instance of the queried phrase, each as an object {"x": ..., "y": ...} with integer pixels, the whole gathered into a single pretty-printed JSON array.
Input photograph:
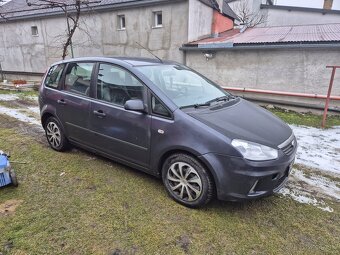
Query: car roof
[{"x": 132, "y": 61}]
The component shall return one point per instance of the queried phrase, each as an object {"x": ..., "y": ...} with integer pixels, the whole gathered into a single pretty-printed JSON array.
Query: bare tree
[
  {"x": 247, "y": 15},
  {"x": 72, "y": 9}
]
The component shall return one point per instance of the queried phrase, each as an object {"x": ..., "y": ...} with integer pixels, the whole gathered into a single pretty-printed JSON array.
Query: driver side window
[{"x": 116, "y": 85}]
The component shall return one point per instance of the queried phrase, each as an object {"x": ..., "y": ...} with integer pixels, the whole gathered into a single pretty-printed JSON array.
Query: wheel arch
[
  {"x": 48, "y": 112},
  {"x": 45, "y": 117},
  {"x": 189, "y": 153}
]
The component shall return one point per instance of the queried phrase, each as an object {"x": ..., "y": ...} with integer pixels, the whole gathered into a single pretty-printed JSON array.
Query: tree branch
[
  {"x": 72, "y": 10},
  {"x": 248, "y": 17}
]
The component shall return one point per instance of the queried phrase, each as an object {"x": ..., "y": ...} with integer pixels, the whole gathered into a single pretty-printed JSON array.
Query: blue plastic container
[{"x": 5, "y": 177}]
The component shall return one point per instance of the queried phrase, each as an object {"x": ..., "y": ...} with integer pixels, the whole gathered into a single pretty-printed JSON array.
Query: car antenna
[{"x": 150, "y": 52}]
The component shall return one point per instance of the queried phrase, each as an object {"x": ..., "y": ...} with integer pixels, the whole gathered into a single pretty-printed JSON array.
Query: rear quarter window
[{"x": 53, "y": 76}]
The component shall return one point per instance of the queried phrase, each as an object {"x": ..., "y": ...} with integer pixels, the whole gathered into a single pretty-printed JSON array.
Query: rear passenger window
[
  {"x": 116, "y": 85},
  {"x": 54, "y": 75},
  {"x": 78, "y": 78}
]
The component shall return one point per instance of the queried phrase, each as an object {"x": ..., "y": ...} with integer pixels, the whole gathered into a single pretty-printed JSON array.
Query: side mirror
[{"x": 134, "y": 105}]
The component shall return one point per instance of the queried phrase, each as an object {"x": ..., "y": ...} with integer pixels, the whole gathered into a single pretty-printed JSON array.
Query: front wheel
[
  {"x": 187, "y": 181},
  {"x": 55, "y": 135}
]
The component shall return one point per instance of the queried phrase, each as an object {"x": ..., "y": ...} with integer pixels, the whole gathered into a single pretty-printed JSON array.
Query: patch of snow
[
  {"x": 318, "y": 148},
  {"x": 322, "y": 184},
  {"x": 36, "y": 110},
  {"x": 311, "y": 189},
  {"x": 8, "y": 97},
  {"x": 15, "y": 113},
  {"x": 305, "y": 199}
]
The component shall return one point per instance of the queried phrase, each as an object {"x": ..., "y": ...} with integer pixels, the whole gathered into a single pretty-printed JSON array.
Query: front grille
[
  {"x": 288, "y": 146},
  {"x": 2, "y": 179}
]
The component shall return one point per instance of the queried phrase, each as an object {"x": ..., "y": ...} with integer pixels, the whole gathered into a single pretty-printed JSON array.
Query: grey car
[{"x": 163, "y": 118}]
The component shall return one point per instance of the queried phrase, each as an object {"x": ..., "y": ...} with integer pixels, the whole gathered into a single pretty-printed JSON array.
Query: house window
[
  {"x": 121, "y": 22},
  {"x": 158, "y": 19},
  {"x": 34, "y": 30}
]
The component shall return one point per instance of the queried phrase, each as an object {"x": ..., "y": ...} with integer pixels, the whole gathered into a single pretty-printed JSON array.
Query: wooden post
[{"x": 328, "y": 95}]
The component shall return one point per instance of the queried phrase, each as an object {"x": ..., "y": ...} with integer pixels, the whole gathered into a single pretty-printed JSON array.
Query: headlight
[{"x": 254, "y": 151}]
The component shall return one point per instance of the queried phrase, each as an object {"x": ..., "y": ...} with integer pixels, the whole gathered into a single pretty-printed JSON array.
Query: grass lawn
[
  {"x": 20, "y": 93},
  {"x": 306, "y": 119},
  {"x": 78, "y": 203}
]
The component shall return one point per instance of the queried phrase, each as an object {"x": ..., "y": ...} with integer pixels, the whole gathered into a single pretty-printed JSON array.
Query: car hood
[{"x": 244, "y": 120}]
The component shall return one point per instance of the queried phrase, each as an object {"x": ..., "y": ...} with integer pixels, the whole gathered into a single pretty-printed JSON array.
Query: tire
[
  {"x": 13, "y": 178},
  {"x": 187, "y": 181},
  {"x": 55, "y": 135}
]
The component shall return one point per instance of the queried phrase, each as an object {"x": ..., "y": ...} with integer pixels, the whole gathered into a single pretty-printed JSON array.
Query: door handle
[
  {"x": 61, "y": 101},
  {"x": 99, "y": 113}
]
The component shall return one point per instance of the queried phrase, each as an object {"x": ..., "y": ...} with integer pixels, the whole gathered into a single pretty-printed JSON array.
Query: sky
[{"x": 307, "y": 3}]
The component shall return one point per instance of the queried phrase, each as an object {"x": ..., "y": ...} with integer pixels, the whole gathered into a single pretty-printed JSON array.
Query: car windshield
[{"x": 183, "y": 86}]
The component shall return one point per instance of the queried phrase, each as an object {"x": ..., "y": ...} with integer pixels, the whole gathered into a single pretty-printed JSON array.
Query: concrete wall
[
  {"x": 200, "y": 20},
  {"x": 283, "y": 70},
  {"x": 20, "y": 51},
  {"x": 285, "y": 17}
]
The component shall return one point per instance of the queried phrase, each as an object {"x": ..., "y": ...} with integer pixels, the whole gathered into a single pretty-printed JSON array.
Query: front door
[{"x": 116, "y": 131}]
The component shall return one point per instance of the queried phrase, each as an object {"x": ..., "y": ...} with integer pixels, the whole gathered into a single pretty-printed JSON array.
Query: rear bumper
[{"x": 238, "y": 179}]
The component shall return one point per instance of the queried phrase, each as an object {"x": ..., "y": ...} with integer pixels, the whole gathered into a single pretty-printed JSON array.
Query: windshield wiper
[
  {"x": 219, "y": 99},
  {"x": 196, "y": 105}
]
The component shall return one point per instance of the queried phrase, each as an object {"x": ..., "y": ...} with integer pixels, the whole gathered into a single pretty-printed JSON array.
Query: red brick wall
[{"x": 221, "y": 23}]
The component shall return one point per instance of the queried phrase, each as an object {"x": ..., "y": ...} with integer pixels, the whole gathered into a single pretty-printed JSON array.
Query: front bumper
[{"x": 239, "y": 179}]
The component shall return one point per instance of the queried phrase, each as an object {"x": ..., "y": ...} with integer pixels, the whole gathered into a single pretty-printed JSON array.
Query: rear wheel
[
  {"x": 55, "y": 136},
  {"x": 187, "y": 181}
]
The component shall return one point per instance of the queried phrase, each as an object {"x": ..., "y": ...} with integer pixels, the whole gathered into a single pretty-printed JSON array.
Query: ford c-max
[{"x": 164, "y": 118}]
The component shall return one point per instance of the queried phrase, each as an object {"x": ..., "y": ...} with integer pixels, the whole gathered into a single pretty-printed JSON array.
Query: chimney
[
  {"x": 220, "y": 24},
  {"x": 327, "y": 4}
]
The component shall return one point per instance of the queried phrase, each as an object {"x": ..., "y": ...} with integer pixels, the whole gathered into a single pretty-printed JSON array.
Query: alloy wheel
[
  {"x": 184, "y": 181},
  {"x": 53, "y": 134}
]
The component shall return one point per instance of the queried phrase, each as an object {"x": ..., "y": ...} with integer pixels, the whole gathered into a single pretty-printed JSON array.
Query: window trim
[
  {"x": 152, "y": 113},
  {"x": 95, "y": 80},
  {"x": 120, "y": 26},
  {"x": 155, "y": 19}
]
